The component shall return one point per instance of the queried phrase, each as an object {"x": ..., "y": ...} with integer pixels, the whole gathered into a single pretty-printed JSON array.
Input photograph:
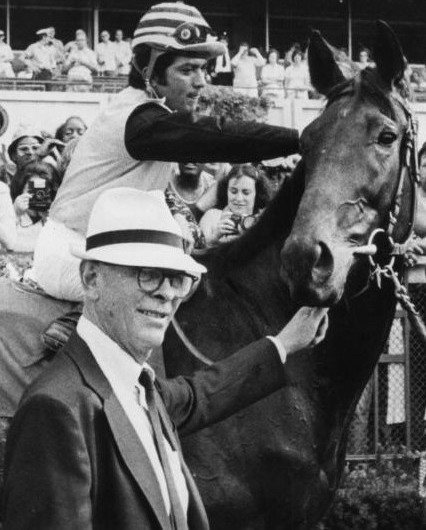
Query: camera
[
  {"x": 243, "y": 223},
  {"x": 41, "y": 194},
  {"x": 236, "y": 219}
]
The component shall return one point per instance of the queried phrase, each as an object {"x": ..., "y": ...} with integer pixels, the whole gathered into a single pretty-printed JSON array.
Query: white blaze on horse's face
[{"x": 351, "y": 156}]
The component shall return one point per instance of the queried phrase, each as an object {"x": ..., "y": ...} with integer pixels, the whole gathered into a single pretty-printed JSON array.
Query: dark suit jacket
[{"x": 74, "y": 461}]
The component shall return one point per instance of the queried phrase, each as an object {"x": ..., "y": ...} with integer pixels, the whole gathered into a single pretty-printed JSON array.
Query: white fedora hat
[{"x": 135, "y": 228}]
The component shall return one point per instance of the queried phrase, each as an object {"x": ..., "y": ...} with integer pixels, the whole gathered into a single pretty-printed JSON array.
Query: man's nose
[
  {"x": 200, "y": 79},
  {"x": 166, "y": 291}
]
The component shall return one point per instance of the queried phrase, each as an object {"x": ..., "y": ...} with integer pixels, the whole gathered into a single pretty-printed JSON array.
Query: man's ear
[{"x": 89, "y": 275}]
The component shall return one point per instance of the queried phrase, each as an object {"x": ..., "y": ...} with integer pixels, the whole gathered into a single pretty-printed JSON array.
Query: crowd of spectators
[
  {"x": 222, "y": 201},
  {"x": 249, "y": 71},
  {"x": 48, "y": 58}
]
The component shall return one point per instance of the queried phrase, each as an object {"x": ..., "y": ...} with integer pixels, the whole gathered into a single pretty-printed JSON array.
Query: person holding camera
[
  {"x": 245, "y": 63},
  {"x": 241, "y": 196},
  {"x": 32, "y": 191}
]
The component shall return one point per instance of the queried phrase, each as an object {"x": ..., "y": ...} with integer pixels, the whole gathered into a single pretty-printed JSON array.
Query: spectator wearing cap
[
  {"x": 222, "y": 71},
  {"x": 123, "y": 53},
  {"x": 106, "y": 53},
  {"x": 40, "y": 56},
  {"x": 143, "y": 131},
  {"x": 24, "y": 147},
  {"x": 6, "y": 57}
]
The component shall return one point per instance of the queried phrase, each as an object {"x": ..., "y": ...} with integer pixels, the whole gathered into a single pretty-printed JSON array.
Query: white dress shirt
[{"x": 122, "y": 372}]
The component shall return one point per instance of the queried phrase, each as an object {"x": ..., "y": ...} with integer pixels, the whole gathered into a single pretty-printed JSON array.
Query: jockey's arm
[{"x": 154, "y": 133}]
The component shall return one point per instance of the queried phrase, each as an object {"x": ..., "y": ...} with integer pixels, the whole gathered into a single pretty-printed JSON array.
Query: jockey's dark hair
[
  {"x": 141, "y": 57},
  {"x": 263, "y": 194}
]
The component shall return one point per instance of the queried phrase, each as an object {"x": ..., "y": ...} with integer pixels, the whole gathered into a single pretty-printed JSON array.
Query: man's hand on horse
[{"x": 306, "y": 329}]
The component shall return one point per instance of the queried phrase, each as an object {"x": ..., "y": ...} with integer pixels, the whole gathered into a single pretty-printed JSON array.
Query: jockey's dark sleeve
[{"x": 154, "y": 133}]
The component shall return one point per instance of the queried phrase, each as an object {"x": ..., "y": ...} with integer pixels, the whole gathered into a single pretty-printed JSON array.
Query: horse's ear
[
  {"x": 388, "y": 55},
  {"x": 324, "y": 71}
]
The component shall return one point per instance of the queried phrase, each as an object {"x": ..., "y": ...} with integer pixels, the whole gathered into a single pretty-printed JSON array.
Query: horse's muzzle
[{"x": 309, "y": 269}]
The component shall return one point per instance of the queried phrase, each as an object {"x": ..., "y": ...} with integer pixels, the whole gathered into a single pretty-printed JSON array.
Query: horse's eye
[{"x": 387, "y": 138}]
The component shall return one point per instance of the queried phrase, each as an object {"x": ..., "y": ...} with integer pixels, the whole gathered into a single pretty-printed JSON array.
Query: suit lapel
[{"x": 128, "y": 442}]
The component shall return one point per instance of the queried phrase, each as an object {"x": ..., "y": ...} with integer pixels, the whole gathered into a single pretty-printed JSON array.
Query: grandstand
[{"x": 277, "y": 23}]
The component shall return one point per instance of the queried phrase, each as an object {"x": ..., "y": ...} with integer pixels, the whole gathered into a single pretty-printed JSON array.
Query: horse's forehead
[{"x": 348, "y": 112}]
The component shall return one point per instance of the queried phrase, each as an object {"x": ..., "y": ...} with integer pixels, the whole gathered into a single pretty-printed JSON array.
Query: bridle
[{"x": 381, "y": 247}]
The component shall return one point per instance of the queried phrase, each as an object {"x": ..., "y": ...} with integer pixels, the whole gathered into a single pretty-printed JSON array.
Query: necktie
[{"x": 177, "y": 516}]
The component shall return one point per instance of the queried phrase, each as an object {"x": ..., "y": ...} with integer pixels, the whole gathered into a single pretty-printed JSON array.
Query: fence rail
[{"x": 390, "y": 415}]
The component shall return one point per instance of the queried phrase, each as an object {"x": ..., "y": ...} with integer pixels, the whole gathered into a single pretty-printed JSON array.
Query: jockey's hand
[
  {"x": 306, "y": 329},
  {"x": 22, "y": 203}
]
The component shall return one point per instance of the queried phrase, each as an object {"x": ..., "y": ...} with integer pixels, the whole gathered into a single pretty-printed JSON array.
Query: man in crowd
[
  {"x": 41, "y": 56},
  {"x": 123, "y": 53},
  {"x": 69, "y": 46},
  {"x": 92, "y": 444},
  {"x": 106, "y": 53},
  {"x": 81, "y": 64},
  {"x": 222, "y": 70},
  {"x": 6, "y": 57},
  {"x": 144, "y": 130},
  {"x": 190, "y": 183},
  {"x": 59, "y": 48}
]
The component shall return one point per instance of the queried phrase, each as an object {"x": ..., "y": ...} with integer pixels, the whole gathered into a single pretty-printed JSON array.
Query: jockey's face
[
  {"x": 135, "y": 320},
  {"x": 184, "y": 80}
]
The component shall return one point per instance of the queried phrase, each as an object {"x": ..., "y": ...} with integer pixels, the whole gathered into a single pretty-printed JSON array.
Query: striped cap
[{"x": 177, "y": 26}]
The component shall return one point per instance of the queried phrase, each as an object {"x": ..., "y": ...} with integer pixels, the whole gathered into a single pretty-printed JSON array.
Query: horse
[{"x": 277, "y": 464}]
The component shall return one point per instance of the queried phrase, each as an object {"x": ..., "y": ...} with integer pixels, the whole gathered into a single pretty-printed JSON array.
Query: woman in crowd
[
  {"x": 241, "y": 196},
  {"x": 273, "y": 77},
  {"x": 32, "y": 192},
  {"x": 297, "y": 81},
  {"x": 74, "y": 127}
]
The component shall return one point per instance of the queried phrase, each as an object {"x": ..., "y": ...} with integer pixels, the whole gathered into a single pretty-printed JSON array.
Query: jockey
[{"x": 148, "y": 127}]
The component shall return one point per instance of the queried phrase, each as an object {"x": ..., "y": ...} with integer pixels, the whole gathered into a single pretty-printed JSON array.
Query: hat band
[{"x": 115, "y": 237}]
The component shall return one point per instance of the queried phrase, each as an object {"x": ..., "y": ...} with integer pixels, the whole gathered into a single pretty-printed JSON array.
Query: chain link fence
[{"x": 390, "y": 415}]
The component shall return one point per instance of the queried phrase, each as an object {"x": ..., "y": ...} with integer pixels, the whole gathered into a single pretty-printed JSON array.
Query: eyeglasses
[
  {"x": 151, "y": 279},
  {"x": 191, "y": 34}
]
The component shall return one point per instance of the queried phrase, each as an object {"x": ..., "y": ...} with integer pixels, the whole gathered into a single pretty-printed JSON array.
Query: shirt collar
[{"x": 119, "y": 367}]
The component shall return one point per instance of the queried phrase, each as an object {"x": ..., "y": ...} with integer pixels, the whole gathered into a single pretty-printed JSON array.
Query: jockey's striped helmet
[{"x": 177, "y": 26}]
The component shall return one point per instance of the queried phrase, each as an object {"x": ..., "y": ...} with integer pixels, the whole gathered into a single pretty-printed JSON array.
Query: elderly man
[
  {"x": 93, "y": 444},
  {"x": 145, "y": 129}
]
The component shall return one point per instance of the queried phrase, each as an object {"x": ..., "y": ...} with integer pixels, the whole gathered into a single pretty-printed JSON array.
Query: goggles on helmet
[{"x": 187, "y": 34}]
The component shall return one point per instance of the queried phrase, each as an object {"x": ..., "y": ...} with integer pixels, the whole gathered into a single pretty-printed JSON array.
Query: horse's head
[{"x": 352, "y": 156}]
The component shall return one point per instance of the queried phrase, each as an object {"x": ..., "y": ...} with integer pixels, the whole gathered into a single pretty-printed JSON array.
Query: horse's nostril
[{"x": 324, "y": 265}]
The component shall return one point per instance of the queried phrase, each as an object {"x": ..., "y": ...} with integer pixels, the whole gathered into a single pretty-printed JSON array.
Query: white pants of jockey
[{"x": 56, "y": 269}]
